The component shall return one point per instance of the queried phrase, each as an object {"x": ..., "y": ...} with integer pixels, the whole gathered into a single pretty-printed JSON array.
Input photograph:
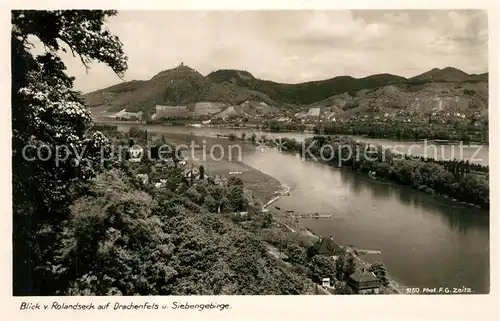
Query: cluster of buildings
[
  {"x": 326, "y": 111},
  {"x": 158, "y": 174},
  {"x": 189, "y": 110},
  {"x": 125, "y": 115},
  {"x": 315, "y": 113},
  {"x": 361, "y": 282}
]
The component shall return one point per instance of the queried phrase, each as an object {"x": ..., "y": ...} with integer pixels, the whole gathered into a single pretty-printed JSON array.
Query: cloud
[
  {"x": 397, "y": 18},
  {"x": 464, "y": 28},
  {"x": 294, "y": 46}
]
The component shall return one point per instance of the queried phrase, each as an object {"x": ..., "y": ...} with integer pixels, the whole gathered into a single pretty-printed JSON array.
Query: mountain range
[{"x": 183, "y": 86}]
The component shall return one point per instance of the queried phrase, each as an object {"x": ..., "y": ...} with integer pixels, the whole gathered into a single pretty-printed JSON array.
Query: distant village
[
  {"x": 156, "y": 171},
  {"x": 207, "y": 114}
]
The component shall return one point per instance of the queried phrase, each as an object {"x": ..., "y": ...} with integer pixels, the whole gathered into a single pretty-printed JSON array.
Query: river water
[
  {"x": 425, "y": 240},
  {"x": 478, "y": 154}
]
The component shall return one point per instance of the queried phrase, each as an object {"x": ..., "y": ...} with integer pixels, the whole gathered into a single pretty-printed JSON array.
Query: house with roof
[
  {"x": 364, "y": 282},
  {"x": 325, "y": 282},
  {"x": 134, "y": 154},
  {"x": 314, "y": 112},
  {"x": 144, "y": 178},
  {"x": 159, "y": 182},
  {"x": 125, "y": 115},
  {"x": 190, "y": 171},
  {"x": 162, "y": 111},
  {"x": 328, "y": 247},
  {"x": 220, "y": 180}
]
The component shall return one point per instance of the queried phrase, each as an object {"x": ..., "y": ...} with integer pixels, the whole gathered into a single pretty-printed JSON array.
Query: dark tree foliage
[
  {"x": 344, "y": 266},
  {"x": 401, "y": 130},
  {"x": 296, "y": 253},
  {"x": 235, "y": 181},
  {"x": 321, "y": 267},
  {"x": 128, "y": 242},
  {"x": 47, "y": 112},
  {"x": 380, "y": 271},
  {"x": 276, "y": 127}
]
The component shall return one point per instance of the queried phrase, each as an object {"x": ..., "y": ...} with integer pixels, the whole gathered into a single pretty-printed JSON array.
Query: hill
[
  {"x": 243, "y": 93},
  {"x": 448, "y": 74},
  {"x": 481, "y": 77},
  {"x": 466, "y": 98},
  {"x": 303, "y": 93},
  {"x": 177, "y": 86}
]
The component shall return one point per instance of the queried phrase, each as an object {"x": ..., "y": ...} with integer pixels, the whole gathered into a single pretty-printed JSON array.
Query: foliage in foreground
[
  {"x": 126, "y": 241},
  {"x": 46, "y": 113}
]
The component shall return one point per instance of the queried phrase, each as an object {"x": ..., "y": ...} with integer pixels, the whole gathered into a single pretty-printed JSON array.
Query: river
[
  {"x": 425, "y": 240},
  {"x": 478, "y": 154}
]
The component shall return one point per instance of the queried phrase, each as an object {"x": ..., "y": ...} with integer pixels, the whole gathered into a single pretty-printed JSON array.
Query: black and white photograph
[{"x": 250, "y": 152}]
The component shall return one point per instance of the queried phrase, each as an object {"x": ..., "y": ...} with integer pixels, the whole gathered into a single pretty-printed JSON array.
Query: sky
[{"x": 293, "y": 46}]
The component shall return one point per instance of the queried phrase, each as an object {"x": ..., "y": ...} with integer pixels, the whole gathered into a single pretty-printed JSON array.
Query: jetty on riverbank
[
  {"x": 309, "y": 215},
  {"x": 281, "y": 194}
]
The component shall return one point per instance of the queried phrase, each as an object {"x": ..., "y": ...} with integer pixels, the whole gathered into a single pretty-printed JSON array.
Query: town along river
[{"x": 425, "y": 240}]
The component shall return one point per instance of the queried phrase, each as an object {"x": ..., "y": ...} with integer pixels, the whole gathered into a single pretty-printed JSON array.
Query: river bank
[
  {"x": 282, "y": 218},
  {"x": 309, "y": 129},
  {"x": 458, "y": 180},
  {"x": 267, "y": 191},
  {"x": 392, "y": 288},
  {"x": 429, "y": 229},
  {"x": 389, "y": 182}
]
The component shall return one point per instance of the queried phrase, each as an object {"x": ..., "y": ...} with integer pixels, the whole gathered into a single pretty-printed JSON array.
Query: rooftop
[
  {"x": 363, "y": 276},
  {"x": 327, "y": 246}
]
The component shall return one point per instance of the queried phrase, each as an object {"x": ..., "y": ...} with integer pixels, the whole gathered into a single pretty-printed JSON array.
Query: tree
[
  {"x": 341, "y": 268},
  {"x": 112, "y": 242},
  {"x": 202, "y": 172},
  {"x": 380, "y": 271},
  {"x": 341, "y": 287},
  {"x": 312, "y": 251},
  {"x": 194, "y": 195},
  {"x": 47, "y": 113},
  {"x": 236, "y": 198},
  {"x": 234, "y": 181},
  {"x": 176, "y": 156},
  {"x": 137, "y": 132},
  {"x": 211, "y": 204},
  {"x": 351, "y": 264},
  {"x": 266, "y": 219},
  {"x": 344, "y": 266},
  {"x": 296, "y": 253},
  {"x": 175, "y": 180},
  {"x": 321, "y": 267}
]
